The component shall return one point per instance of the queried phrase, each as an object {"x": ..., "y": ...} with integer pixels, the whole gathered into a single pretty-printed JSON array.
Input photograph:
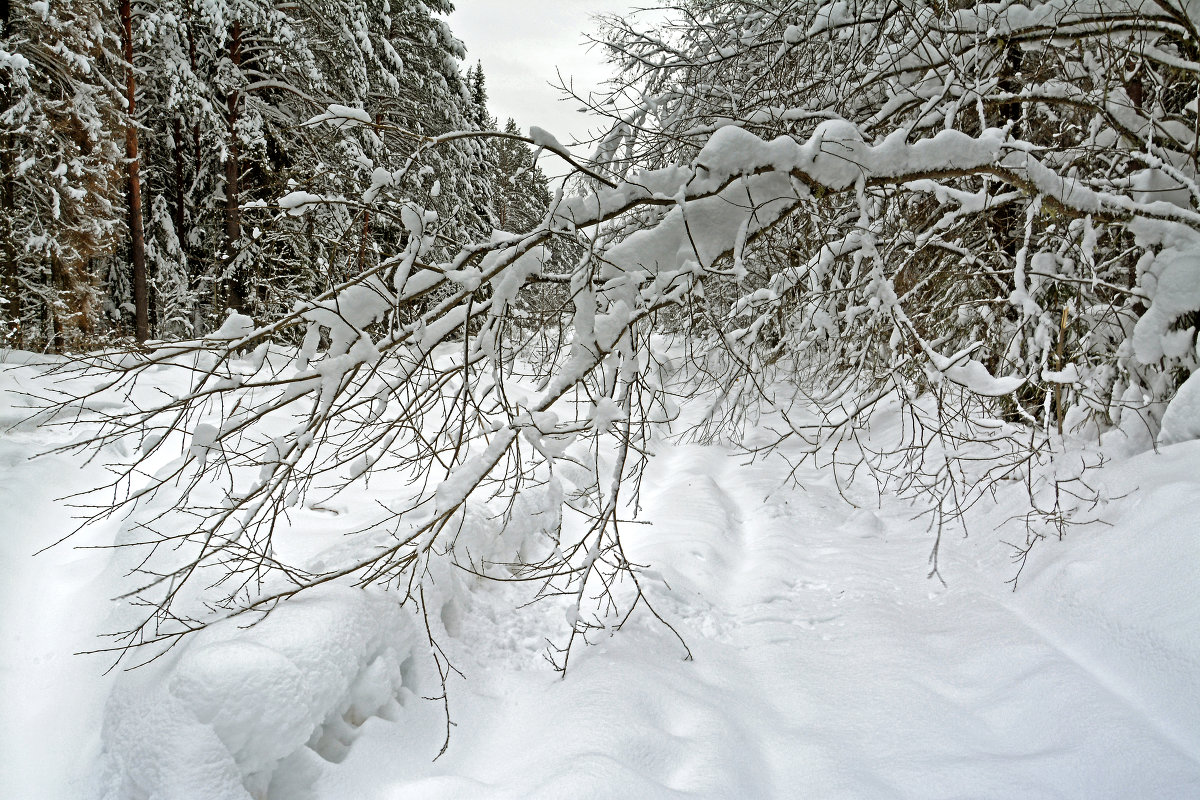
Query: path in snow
[{"x": 828, "y": 666}]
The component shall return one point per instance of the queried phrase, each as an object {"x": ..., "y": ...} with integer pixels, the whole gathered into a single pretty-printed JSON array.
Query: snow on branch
[{"x": 831, "y": 197}]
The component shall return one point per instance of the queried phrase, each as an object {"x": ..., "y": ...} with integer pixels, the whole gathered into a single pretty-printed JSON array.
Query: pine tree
[
  {"x": 59, "y": 161},
  {"x": 399, "y": 64},
  {"x": 168, "y": 210},
  {"x": 173, "y": 108},
  {"x": 228, "y": 85},
  {"x": 133, "y": 190}
]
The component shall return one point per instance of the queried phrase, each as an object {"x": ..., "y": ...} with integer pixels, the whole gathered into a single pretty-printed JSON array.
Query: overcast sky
[{"x": 521, "y": 43}]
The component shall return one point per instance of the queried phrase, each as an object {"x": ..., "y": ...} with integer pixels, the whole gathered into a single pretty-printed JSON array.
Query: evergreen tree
[
  {"x": 167, "y": 215},
  {"x": 398, "y": 66},
  {"x": 59, "y": 161},
  {"x": 521, "y": 194},
  {"x": 177, "y": 105},
  {"x": 133, "y": 185},
  {"x": 477, "y": 111}
]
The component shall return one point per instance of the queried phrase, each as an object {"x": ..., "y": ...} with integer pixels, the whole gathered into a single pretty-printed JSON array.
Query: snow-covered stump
[{"x": 248, "y": 711}]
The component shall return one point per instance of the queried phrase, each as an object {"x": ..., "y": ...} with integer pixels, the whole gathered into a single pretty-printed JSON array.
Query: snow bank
[
  {"x": 51, "y": 605},
  {"x": 828, "y": 665},
  {"x": 25, "y": 357},
  {"x": 1121, "y": 603},
  {"x": 1181, "y": 421},
  {"x": 1174, "y": 284},
  {"x": 247, "y": 712}
]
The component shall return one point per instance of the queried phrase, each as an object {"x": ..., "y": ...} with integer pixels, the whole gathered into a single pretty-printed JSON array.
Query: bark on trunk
[
  {"x": 137, "y": 236},
  {"x": 54, "y": 311},
  {"x": 233, "y": 220}
]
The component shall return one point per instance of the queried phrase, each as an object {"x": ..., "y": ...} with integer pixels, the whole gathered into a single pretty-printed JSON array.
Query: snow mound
[
  {"x": 1181, "y": 420},
  {"x": 249, "y": 712},
  {"x": 1174, "y": 281}
]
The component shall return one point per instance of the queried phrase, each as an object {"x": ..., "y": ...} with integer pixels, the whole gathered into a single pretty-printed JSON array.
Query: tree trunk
[
  {"x": 54, "y": 311},
  {"x": 195, "y": 268},
  {"x": 9, "y": 279},
  {"x": 137, "y": 235},
  {"x": 233, "y": 221},
  {"x": 179, "y": 215}
]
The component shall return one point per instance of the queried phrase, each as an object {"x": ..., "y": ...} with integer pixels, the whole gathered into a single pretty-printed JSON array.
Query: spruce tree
[{"x": 522, "y": 194}]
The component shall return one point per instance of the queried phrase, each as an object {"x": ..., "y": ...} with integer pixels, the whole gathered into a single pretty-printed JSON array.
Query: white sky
[{"x": 522, "y": 42}]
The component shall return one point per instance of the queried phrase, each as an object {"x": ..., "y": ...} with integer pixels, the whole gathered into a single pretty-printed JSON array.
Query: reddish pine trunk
[
  {"x": 233, "y": 220},
  {"x": 137, "y": 236}
]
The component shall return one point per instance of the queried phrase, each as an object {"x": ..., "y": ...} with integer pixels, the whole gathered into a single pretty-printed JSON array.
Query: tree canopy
[{"x": 985, "y": 214}]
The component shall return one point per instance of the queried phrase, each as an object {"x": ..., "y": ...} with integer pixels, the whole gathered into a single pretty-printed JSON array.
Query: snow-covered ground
[{"x": 826, "y": 664}]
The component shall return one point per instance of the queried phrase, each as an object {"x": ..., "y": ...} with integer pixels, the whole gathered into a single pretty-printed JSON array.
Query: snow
[
  {"x": 52, "y": 605},
  {"x": 543, "y": 138},
  {"x": 973, "y": 375},
  {"x": 380, "y": 179},
  {"x": 1069, "y": 374},
  {"x": 235, "y": 326},
  {"x": 342, "y": 116},
  {"x": 454, "y": 490},
  {"x": 298, "y": 203},
  {"x": 242, "y": 708},
  {"x": 1181, "y": 420},
  {"x": 826, "y": 663},
  {"x": 1173, "y": 281}
]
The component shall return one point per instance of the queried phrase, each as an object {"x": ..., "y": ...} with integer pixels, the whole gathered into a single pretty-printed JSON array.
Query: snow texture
[
  {"x": 239, "y": 710},
  {"x": 1174, "y": 281},
  {"x": 342, "y": 115},
  {"x": 973, "y": 375},
  {"x": 297, "y": 203},
  {"x": 1181, "y": 420},
  {"x": 543, "y": 138},
  {"x": 826, "y": 662}
]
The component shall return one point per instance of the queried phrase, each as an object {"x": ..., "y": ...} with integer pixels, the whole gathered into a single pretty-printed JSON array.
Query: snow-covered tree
[
  {"x": 987, "y": 215},
  {"x": 225, "y": 90},
  {"x": 59, "y": 127},
  {"x": 1005, "y": 268},
  {"x": 520, "y": 191},
  {"x": 477, "y": 109}
]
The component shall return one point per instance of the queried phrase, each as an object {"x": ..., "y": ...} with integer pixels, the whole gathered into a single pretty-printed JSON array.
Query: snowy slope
[{"x": 826, "y": 664}]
